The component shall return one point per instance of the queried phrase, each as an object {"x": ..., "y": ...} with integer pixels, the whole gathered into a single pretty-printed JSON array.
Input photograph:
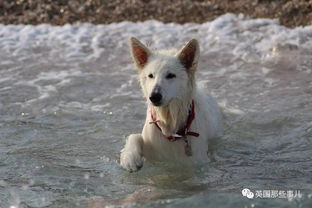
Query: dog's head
[{"x": 166, "y": 74}]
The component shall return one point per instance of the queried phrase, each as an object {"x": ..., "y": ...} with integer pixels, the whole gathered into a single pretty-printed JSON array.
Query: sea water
[{"x": 69, "y": 96}]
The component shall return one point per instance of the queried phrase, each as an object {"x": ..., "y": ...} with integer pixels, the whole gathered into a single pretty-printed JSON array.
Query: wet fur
[{"x": 152, "y": 143}]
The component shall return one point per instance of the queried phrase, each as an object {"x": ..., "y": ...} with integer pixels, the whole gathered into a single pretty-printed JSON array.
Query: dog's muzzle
[{"x": 156, "y": 98}]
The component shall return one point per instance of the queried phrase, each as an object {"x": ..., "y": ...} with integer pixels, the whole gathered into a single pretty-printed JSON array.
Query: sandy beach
[{"x": 290, "y": 13}]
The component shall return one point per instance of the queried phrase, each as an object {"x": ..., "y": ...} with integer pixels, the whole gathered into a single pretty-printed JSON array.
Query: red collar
[{"x": 184, "y": 131}]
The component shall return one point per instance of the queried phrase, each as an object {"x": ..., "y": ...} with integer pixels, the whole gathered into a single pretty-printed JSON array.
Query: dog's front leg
[{"x": 131, "y": 155}]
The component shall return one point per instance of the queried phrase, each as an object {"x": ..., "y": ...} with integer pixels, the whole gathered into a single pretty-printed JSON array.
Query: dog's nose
[{"x": 156, "y": 98}]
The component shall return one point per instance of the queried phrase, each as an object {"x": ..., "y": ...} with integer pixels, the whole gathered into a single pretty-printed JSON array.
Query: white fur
[{"x": 178, "y": 94}]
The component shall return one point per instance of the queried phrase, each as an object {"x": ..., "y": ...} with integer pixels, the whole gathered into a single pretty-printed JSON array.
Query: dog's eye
[
  {"x": 151, "y": 76},
  {"x": 170, "y": 76}
]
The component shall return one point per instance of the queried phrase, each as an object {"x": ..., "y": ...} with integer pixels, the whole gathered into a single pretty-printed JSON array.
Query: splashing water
[{"x": 69, "y": 96}]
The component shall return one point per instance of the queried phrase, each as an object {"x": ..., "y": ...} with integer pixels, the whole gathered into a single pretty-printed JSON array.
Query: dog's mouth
[{"x": 157, "y": 104}]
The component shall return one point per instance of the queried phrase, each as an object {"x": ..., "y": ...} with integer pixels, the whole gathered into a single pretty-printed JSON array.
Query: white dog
[{"x": 180, "y": 118}]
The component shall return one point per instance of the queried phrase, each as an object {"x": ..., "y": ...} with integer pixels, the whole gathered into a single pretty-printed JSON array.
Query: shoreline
[{"x": 290, "y": 13}]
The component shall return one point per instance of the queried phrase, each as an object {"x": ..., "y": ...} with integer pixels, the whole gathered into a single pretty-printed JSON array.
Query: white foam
[
  {"x": 260, "y": 35},
  {"x": 251, "y": 40}
]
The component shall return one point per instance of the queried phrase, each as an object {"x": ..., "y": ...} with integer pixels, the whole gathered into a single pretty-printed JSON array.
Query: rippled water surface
[{"x": 69, "y": 96}]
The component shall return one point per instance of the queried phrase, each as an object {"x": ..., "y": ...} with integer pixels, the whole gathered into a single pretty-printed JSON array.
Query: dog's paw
[{"x": 130, "y": 160}]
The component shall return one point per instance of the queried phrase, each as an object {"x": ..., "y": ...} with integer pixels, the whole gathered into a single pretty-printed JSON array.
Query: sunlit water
[{"x": 69, "y": 96}]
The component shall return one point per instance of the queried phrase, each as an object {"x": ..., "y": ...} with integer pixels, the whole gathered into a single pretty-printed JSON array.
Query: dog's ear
[
  {"x": 140, "y": 53},
  {"x": 188, "y": 55}
]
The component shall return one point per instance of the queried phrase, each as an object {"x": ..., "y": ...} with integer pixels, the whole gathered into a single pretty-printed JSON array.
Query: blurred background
[{"x": 290, "y": 12}]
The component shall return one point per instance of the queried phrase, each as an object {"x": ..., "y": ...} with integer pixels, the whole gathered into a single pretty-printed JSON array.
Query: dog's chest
[{"x": 158, "y": 147}]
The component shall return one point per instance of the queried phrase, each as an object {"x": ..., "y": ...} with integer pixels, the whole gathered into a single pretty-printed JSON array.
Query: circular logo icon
[{"x": 249, "y": 194}]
